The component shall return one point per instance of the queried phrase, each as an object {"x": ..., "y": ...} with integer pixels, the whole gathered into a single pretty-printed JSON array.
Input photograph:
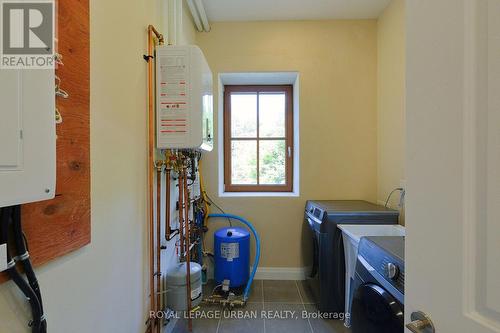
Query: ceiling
[{"x": 263, "y": 10}]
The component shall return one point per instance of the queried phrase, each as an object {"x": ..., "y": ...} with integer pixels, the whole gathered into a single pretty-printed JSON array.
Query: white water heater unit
[{"x": 184, "y": 101}]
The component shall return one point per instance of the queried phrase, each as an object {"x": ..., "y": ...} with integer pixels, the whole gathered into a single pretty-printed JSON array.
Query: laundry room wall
[
  {"x": 102, "y": 288},
  {"x": 391, "y": 100},
  {"x": 337, "y": 62}
]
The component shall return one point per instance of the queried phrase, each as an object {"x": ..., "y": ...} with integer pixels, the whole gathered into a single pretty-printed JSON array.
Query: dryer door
[{"x": 374, "y": 310}]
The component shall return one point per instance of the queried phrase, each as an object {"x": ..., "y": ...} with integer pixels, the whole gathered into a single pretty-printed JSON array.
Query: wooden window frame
[{"x": 289, "y": 140}]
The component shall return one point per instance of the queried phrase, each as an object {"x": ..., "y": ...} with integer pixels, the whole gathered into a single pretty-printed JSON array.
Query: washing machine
[
  {"x": 327, "y": 279},
  {"x": 378, "y": 289}
]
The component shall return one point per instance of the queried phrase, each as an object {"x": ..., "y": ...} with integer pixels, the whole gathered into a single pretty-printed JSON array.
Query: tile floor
[{"x": 273, "y": 307}]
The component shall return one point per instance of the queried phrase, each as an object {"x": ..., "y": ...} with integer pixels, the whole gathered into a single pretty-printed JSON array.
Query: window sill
[{"x": 258, "y": 194}]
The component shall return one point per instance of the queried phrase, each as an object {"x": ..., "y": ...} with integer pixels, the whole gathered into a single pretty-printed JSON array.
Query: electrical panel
[
  {"x": 27, "y": 136},
  {"x": 184, "y": 101}
]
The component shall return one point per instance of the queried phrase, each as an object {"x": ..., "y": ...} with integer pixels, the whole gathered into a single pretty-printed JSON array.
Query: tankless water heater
[{"x": 184, "y": 101}]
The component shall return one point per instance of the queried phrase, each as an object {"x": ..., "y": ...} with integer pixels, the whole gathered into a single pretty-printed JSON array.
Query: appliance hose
[{"x": 257, "y": 248}]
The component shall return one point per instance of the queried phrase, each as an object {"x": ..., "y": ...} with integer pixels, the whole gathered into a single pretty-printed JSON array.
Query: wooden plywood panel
[{"x": 56, "y": 227}]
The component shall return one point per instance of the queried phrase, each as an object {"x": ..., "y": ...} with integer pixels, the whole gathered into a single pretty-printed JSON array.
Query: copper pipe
[
  {"x": 167, "y": 203},
  {"x": 152, "y": 29},
  {"x": 188, "y": 249},
  {"x": 181, "y": 215},
  {"x": 151, "y": 134},
  {"x": 150, "y": 180},
  {"x": 158, "y": 240},
  {"x": 186, "y": 208}
]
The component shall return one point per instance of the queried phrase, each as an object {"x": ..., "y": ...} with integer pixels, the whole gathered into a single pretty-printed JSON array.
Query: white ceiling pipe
[
  {"x": 202, "y": 14},
  {"x": 194, "y": 14}
]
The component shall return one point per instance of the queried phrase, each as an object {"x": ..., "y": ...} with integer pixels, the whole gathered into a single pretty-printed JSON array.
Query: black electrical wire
[
  {"x": 26, "y": 241},
  {"x": 5, "y": 218},
  {"x": 218, "y": 207},
  {"x": 23, "y": 255}
]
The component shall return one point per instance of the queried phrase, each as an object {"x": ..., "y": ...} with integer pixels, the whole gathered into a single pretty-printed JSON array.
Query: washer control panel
[
  {"x": 391, "y": 267},
  {"x": 392, "y": 271}
]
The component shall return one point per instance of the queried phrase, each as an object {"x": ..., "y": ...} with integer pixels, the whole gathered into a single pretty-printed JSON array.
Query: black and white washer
[
  {"x": 327, "y": 279},
  {"x": 378, "y": 288}
]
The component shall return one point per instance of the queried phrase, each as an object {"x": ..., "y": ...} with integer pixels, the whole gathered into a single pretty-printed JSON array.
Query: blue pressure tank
[{"x": 232, "y": 255}]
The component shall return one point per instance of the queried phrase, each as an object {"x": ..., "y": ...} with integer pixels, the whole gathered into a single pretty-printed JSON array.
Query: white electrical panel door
[
  {"x": 184, "y": 98},
  {"x": 10, "y": 124},
  {"x": 27, "y": 136}
]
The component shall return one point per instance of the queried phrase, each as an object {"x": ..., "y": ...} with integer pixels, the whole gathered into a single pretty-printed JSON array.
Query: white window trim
[{"x": 259, "y": 78}]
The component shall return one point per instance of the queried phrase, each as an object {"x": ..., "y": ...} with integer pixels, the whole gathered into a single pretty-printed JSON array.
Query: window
[{"x": 258, "y": 138}]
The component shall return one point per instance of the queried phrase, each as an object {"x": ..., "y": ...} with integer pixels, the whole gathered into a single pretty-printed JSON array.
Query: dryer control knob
[{"x": 392, "y": 271}]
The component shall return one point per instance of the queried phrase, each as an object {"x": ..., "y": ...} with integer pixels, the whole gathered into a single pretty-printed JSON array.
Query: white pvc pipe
[
  {"x": 202, "y": 14},
  {"x": 195, "y": 15}
]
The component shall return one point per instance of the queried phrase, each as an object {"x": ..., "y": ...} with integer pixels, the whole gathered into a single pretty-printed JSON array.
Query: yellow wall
[
  {"x": 391, "y": 100},
  {"x": 102, "y": 287},
  {"x": 337, "y": 61},
  {"x": 188, "y": 30}
]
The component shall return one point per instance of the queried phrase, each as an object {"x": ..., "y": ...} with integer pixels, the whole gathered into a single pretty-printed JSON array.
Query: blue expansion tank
[{"x": 232, "y": 255}]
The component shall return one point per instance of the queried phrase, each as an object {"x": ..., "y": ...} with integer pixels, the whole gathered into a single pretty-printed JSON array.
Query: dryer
[
  {"x": 327, "y": 279},
  {"x": 378, "y": 288}
]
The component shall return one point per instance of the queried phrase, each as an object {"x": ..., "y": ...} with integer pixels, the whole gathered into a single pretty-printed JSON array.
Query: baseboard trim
[{"x": 282, "y": 273}]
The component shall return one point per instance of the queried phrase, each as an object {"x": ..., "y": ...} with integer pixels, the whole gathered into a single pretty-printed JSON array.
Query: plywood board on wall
[{"x": 56, "y": 227}]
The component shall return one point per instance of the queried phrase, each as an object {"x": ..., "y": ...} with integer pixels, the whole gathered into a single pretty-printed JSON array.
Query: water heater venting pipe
[{"x": 199, "y": 14}]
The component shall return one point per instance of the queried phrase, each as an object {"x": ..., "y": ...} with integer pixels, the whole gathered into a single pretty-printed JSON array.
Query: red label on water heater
[{"x": 173, "y": 102}]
